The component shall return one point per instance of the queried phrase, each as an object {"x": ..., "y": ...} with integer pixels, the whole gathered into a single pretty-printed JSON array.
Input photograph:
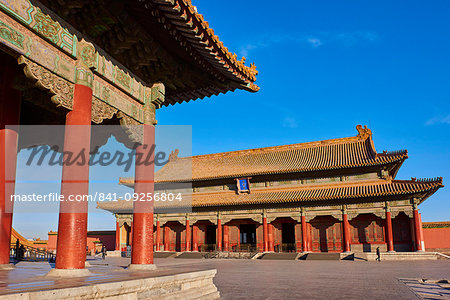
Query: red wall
[
  {"x": 437, "y": 238},
  {"x": 108, "y": 239},
  {"x": 51, "y": 244}
]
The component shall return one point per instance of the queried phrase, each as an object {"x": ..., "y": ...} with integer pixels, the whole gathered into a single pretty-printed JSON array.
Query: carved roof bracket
[{"x": 61, "y": 90}]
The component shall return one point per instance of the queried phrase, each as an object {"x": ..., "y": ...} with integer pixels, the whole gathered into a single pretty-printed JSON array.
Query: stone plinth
[
  {"x": 189, "y": 285},
  {"x": 115, "y": 253},
  {"x": 393, "y": 256}
]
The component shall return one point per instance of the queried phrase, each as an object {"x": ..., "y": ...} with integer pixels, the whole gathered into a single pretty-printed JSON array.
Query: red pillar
[
  {"x": 420, "y": 245},
  {"x": 194, "y": 238},
  {"x": 117, "y": 236},
  {"x": 72, "y": 226},
  {"x": 308, "y": 237},
  {"x": 304, "y": 235},
  {"x": 265, "y": 235},
  {"x": 219, "y": 235},
  {"x": 166, "y": 237},
  {"x": 413, "y": 234},
  {"x": 270, "y": 236},
  {"x": 131, "y": 234},
  {"x": 188, "y": 236},
  {"x": 10, "y": 99},
  {"x": 226, "y": 238},
  {"x": 142, "y": 249},
  {"x": 158, "y": 235},
  {"x": 421, "y": 232},
  {"x": 346, "y": 232},
  {"x": 389, "y": 235}
]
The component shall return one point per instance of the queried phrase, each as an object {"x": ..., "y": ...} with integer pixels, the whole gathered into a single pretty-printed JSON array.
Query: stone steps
[
  {"x": 320, "y": 256},
  {"x": 164, "y": 254},
  {"x": 279, "y": 256},
  {"x": 192, "y": 255}
]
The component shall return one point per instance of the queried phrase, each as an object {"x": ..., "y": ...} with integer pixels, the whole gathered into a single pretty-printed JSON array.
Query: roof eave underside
[{"x": 193, "y": 33}]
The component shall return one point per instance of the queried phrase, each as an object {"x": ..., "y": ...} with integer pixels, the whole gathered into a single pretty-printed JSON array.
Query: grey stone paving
[
  {"x": 429, "y": 289},
  {"x": 267, "y": 279}
]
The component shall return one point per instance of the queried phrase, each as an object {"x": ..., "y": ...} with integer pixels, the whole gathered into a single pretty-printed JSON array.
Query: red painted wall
[
  {"x": 437, "y": 238},
  {"x": 51, "y": 244},
  {"x": 108, "y": 239}
]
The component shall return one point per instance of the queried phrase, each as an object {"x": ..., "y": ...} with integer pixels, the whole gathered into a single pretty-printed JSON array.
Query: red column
[
  {"x": 9, "y": 115},
  {"x": 142, "y": 249},
  {"x": 188, "y": 236},
  {"x": 346, "y": 232},
  {"x": 226, "y": 238},
  {"x": 117, "y": 236},
  {"x": 421, "y": 233},
  {"x": 131, "y": 234},
  {"x": 304, "y": 235},
  {"x": 270, "y": 236},
  {"x": 194, "y": 238},
  {"x": 166, "y": 237},
  {"x": 158, "y": 235},
  {"x": 413, "y": 234},
  {"x": 219, "y": 235},
  {"x": 389, "y": 236},
  {"x": 72, "y": 226},
  {"x": 265, "y": 235},
  {"x": 308, "y": 237},
  {"x": 420, "y": 245}
]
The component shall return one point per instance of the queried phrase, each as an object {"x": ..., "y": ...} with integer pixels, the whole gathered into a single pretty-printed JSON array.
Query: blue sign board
[{"x": 243, "y": 184}]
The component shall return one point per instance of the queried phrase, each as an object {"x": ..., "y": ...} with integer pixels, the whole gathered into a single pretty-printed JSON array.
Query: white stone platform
[
  {"x": 107, "y": 281},
  {"x": 396, "y": 256}
]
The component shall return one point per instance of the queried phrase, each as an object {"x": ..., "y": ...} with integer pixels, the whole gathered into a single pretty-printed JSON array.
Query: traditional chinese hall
[{"x": 337, "y": 195}]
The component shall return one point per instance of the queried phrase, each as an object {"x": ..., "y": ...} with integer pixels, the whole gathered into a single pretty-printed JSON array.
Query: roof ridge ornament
[
  {"x": 173, "y": 156},
  {"x": 363, "y": 132}
]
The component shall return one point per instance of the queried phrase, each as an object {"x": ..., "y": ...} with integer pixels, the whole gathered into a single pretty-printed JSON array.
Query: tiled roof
[
  {"x": 436, "y": 224},
  {"x": 16, "y": 236},
  {"x": 193, "y": 32},
  {"x": 351, "y": 152},
  {"x": 165, "y": 41},
  {"x": 370, "y": 189}
]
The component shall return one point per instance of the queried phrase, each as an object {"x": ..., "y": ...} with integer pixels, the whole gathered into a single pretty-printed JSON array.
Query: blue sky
[{"x": 326, "y": 66}]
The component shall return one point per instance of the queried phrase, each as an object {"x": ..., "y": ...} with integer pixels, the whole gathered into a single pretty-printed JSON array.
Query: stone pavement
[
  {"x": 282, "y": 279},
  {"x": 278, "y": 279},
  {"x": 428, "y": 289}
]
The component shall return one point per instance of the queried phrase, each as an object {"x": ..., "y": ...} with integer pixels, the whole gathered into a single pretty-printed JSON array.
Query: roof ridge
[
  {"x": 438, "y": 180},
  {"x": 358, "y": 138},
  {"x": 394, "y": 152},
  {"x": 205, "y": 34}
]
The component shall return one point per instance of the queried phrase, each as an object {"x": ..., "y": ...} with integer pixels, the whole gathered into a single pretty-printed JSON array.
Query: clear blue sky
[{"x": 326, "y": 66}]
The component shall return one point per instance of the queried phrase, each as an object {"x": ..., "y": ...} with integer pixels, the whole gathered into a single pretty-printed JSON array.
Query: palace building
[
  {"x": 337, "y": 195},
  {"x": 71, "y": 63}
]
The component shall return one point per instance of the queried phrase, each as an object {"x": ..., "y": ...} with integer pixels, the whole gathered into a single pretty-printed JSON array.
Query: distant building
[
  {"x": 95, "y": 240},
  {"x": 325, "y": 196}
]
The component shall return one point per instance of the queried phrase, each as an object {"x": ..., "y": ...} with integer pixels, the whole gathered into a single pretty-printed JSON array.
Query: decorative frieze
[
  {"x": 124, "y": 218},
  {"x": 101, "y": 111},
  {"x": 75, "y": 62},
  {"x": 32, "y": 17},
  {"x": 60, "y": 89}
]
